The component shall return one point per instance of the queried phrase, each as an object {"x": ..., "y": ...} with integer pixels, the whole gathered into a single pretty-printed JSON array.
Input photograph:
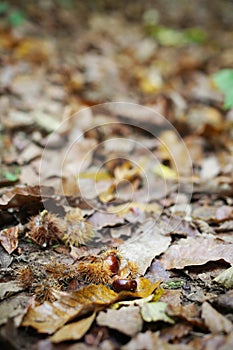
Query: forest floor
[{"x": 116, "y": 188}]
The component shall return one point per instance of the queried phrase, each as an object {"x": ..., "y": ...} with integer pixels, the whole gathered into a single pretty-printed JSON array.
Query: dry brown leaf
[
  {"x": 100, "y": 220},
  {"x": 177, "y": 331},
  {"x": 151, "y": 341},
  {"x": 143, "y": 248},
  {"x": 49, "y": 317},
  {"x": 9, "y": 238},
  {"x": 25, "y": 194},
  {"x": 216, "y": 322},
  {"x": 126, "y": 320},
  {"x": 73, "y": 331},
  {"x": 196, "y": 251}
]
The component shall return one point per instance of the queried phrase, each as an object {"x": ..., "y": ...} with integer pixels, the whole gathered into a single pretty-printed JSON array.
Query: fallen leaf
[
  {"x": 126, "y": 320},
  {"x": 24, "y": 194},
  {"x": 165, "y": 172},
  {"x": 144, "y": 288},
  {"x": 5, "y": 258},
  {"x": 14, "y": 307},
  {"x": 175, "y": 332},
  {"x": 196, "y": 251},
  {"x": 225, "y": 212},
  {"x": 49, "y": 317},
  {"x": 100, "y": 220},
  {"x": 9, "y": 238},
  {"x": 73, "y": 331},
  {"x": 151, "y": 341},
  {"x": 225, "y": 301},
  {"x": 225, "y": 278},
  {"x": 9, "y": 288},
  {"x": 209, "y": 168},
  {"x": 155, "y": 311},
  {"x": 144, "y": 247},
  {"x": 215, "y": 322},
  {"x": 125, "y": 208}
]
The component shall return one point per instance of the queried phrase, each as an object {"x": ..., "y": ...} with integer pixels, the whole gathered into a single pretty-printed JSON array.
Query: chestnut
[
  {"x": 114, "y": 262},
  {"x": 119, "y": 285}
]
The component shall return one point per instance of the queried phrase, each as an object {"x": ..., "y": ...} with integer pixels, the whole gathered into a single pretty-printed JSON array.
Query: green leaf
[
  {"x": 173, "y": 285},
  {"x": 195, "y": 35},
  {"x": 223, "y": 79},
  {"x": 174, "y": 37},
  {"x": 4, "y": 6},
  {"x": 16, "y": 18},
  {"x": 155, "y": 311},
  {"x": 67, "y": 4},
  {"x": 11, "y": 176}
]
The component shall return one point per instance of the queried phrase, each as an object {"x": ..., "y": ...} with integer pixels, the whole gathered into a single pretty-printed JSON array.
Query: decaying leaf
[
  {"x": 225, "y": 278},
  {"x": 126, "y": 320},
  {"x": 9, "y": 238},
  {"x": 216, "y": 322},
  {"x": 143, "y": 248},
  {"x": 49, "y": 317},
  {"x": 196, "y": 251},
  {"x": 73, "y": 331},
  {"x": 155, "y": 311}
]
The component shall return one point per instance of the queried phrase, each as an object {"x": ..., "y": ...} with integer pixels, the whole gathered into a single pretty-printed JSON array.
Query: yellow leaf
[
  {"x": 123, "y": 209},
  {"x": 73, "y": 331},
  {"x": 96, "y": 176},
  {"x": 108, "y": 195},
  {"x": 165, "y": 172}
]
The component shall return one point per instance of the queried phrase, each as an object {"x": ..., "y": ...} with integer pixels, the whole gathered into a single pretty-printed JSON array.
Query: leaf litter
[{"x": 119, "y": 241}]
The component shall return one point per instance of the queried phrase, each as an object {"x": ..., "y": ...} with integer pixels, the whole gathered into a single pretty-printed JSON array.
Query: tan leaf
[
  {"x": 143, "y": 248},
  {"x": 126, "y": 320},
  {"x": 216, "y": 322},
  {"x": 151, "y": 341},
  {"x": 100, "y": 220},
  {"x": 9, "y": 238},
  {"x": 196, "y": 251},
  {"x": 155, "y": 311},
  {"x": 73, "y": 331}
]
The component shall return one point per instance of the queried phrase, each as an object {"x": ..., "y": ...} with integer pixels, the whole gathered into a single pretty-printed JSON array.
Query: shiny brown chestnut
[
  {"x": 119, "y": 285},
  {"x": 114, "y": 263}
]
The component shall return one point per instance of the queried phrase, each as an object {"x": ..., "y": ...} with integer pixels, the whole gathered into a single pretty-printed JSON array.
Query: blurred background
[{"x": 59, "y": 56}]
